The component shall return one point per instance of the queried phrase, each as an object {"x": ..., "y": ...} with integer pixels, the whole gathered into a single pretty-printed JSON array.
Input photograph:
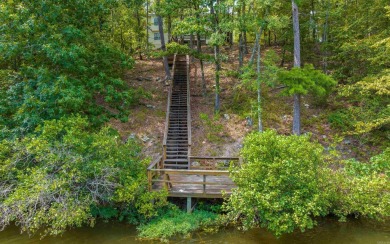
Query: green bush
[
  {"x": 363, "y": 189},
  {"x": 280, "y": 185},
  {"x": 340, "y": 119},
  {"x": 62, "y": 64},
  {"x": 63, "y": 173},
  {"x": 177, "y": 223},
  {"x": 286, "y": 182}
]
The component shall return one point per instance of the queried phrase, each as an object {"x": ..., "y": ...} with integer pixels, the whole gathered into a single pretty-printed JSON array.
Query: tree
[
  {"x": 60, "y": 62},
  {"x": 162, "y": 39},
  {"x": 297, "y": 63},
  {"x": 301, "y": 81}
]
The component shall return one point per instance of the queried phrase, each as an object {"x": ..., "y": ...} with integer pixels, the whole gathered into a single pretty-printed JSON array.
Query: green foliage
[
  {"x": 280, "y": 185},
  {"x": 177, "y": 223},
  {"x": 286, "y": 182},
  {"x": 363, "y": 189},
  {"x": 63, "y": 173},
  {"x": 305, "y": 80},
  {"x": 340, "y": 119},
  {"x": 62, "y": 63},
  {"x": 269, "y": 71},
  {"x": 372, "y": 96}
]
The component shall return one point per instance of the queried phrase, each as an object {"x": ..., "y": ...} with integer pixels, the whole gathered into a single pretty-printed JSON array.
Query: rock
[
  {"x": 324, "y": 136},
  {"x": 249, "y": 121},
  {"x": 306, "y": 105},
  {"x": 315, "y": 116},
  {"x": 145, "y": 138},
  {"x": 148, "y": 78},
  {"x": 150, "y": 106},
  {"x": 158, "y": 79},
  {"x": 285, "y": 117},
  {"x": 195, "y": 164},
  {"x": 347, "y": 142},
  {"x": 226, "y": 116},
  {"x": 131, "y": 137}
]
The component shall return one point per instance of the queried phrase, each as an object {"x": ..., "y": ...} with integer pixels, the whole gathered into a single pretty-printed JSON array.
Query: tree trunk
[
  {"x": 162, "y": 39},
  {"x": 240, "y": 52},
  {"x": 217, "y": 72},
  {"x": 199, "y": 49},
  {"x": 217, "y": 60},
  {"x": 245, "y": 43},
  {"x": 254, "y": 49},
  {"x": 139, "y": 35},
  {"x": 325, "y": 40},
  {"x": 259, "y": 85},
  {"x": 147, "y": 28},
  {"x": 169, "y": 29},
  {"x": 297, "y": 114},
  {"x": 297, "y": 63}
]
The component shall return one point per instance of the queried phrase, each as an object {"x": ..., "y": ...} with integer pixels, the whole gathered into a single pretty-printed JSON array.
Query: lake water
[{"x": 328, "y": 231}]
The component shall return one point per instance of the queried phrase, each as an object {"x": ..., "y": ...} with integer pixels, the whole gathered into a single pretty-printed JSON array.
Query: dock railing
[
  {"x": 188, "y": 105},
  {"x": 159, "y": 178}
]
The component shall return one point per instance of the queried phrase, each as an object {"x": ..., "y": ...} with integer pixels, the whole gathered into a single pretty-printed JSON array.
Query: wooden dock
[
  {"x": 181, "y": 174},
  {"x": 207, "y": 177}
]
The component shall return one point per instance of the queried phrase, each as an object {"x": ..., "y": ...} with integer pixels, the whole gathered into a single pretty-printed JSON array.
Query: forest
[{"x": 299, "y": 90}]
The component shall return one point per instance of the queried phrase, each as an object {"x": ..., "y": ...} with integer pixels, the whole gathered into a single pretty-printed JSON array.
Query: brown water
[{"x": 328, "y": 231}]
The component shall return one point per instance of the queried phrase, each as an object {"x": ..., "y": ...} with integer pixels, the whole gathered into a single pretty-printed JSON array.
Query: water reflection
[{"x": 328, "y": 231}]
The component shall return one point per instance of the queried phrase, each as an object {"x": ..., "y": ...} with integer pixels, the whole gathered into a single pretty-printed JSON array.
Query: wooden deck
[{"x": 208, "y": 178}]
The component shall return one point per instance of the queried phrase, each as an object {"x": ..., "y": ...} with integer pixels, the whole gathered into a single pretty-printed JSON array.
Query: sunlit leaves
[
  {"x": 307, "y": 79},
  {"x": 51, "y": 178},
  {"x": 280, "y": 185}
]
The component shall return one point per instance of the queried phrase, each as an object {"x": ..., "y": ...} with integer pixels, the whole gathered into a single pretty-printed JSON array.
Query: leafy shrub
[
  {"x": 286, "y": 182},
  {"x": 307, "y": 80},
  {"x": 176, "y": 222},
  {"x": 363, "y": 189},
  {"x": 340, "y": 119},
  {"x": 280, "y": 185},
  {"x": 58, "y": 176},
  {"x": 63, "y": 67}
]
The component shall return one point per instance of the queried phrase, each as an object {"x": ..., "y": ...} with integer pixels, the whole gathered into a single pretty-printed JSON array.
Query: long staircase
[{"x": 177, "y": 138}]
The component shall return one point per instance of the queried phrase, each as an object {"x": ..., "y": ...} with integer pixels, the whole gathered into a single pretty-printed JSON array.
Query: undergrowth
[{"x": 178, "y": 223}]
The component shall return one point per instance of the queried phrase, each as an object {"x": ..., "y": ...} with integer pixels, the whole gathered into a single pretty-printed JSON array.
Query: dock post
[{"x": 189, "y": 205}]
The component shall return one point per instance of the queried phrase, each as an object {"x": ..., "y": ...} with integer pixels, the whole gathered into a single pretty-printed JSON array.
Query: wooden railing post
[
  {"x": 168, "y": 112},
  {"x": 149, "y": 180},
  {"x": 166, "y": 181},
  {"x": 204, "y": 183},
  {"x": 188, "y": 110}
]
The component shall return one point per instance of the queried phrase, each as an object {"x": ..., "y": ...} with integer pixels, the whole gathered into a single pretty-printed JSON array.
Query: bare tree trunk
[
  {"x": 246, "y": 51},
  {"x": 199, "y": 49},
  {"x": 162, "y": 39},
  {"x": 139, "y": 35},
  {"x": 217, "y": 73},
  {"x": 169, "y": 29},
  {"x": 325, "y": 40},
  {"x": 254, "y": 49},
  {"x": 217, "y": 60},
  {"x": 240, "y": 52},
  {"x": 297, "y": 63},
  {"x": 147, "y": 28}
]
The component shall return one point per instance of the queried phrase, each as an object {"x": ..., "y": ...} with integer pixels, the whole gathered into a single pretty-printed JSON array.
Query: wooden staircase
[{"x": 177, "y": 138}]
